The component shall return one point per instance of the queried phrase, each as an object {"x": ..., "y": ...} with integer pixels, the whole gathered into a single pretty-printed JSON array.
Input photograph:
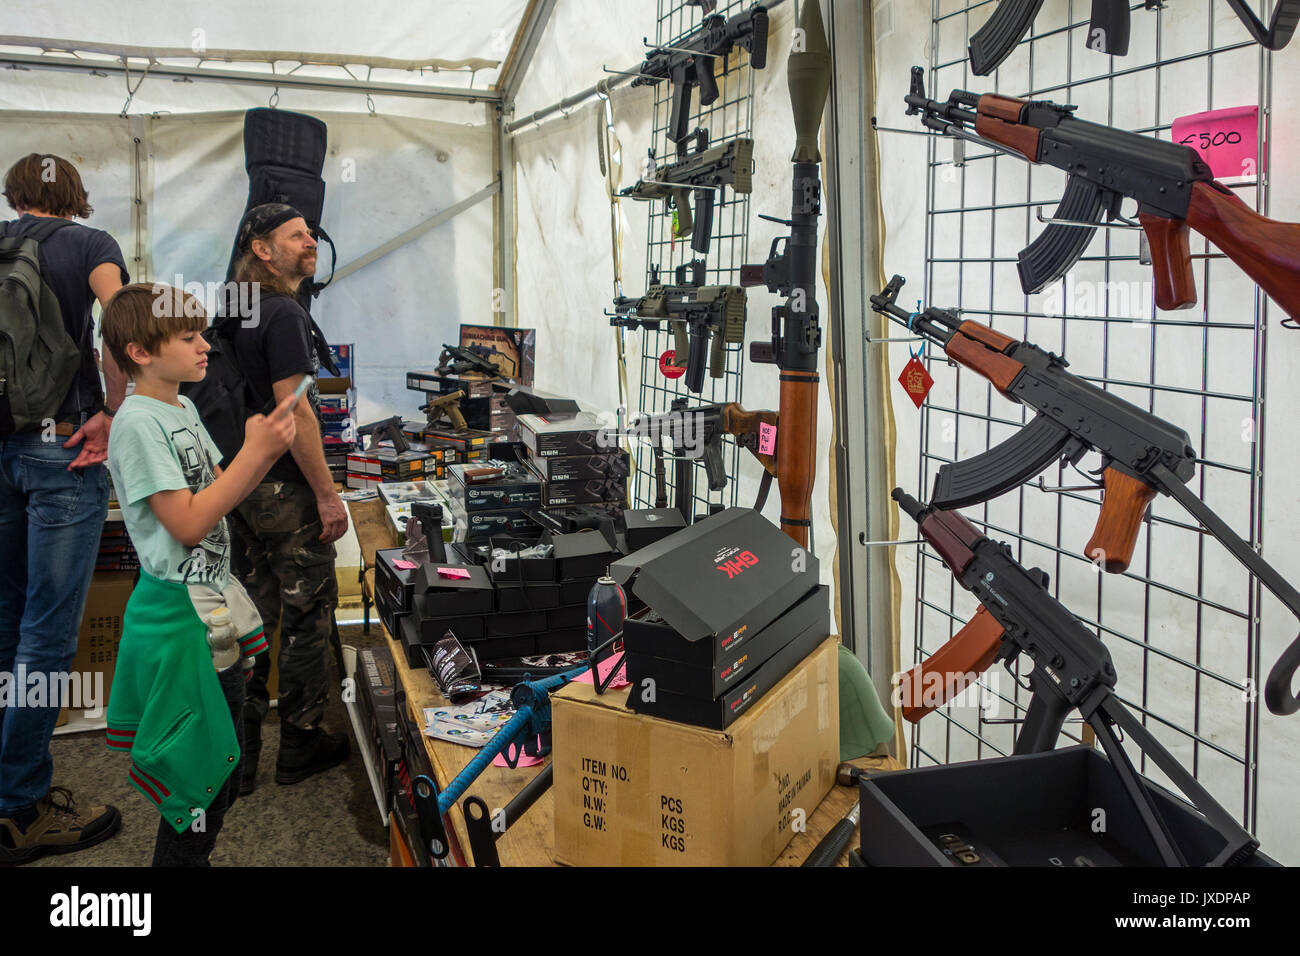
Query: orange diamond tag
[{"x": 916, "y": 381}]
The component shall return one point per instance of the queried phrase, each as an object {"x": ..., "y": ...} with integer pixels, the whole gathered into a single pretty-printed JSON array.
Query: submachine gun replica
[
  {"x": 456, "y": 360},
  {"x": 1142, "y": 455},
  {"x": 1174, "y": 189},
  {"x": 796, "y": 333},
  {"x": 707, "y": 170},
  {"x": 1072, "y": 671},
  {"x": 1108, "y": 29},
  {"x": 689, "y": 63},
  {"x": 703, "y": 318}
]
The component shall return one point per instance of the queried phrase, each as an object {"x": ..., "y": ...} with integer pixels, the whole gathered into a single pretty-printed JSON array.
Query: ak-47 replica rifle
[
  {"x": 1108, "y": 31},
  {"x": 707, "y": 170},
  {"x": 703, "y": 318},
  {"x": 1173, "y": 187},
  {"x": 1142, "y": 455},
  {"x": 1072, "y": 671},
  {"x": 689, "y": 63},
  {"x": 796, "y": 334}
]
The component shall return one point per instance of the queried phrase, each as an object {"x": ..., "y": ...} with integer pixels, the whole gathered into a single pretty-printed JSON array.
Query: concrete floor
[{"x": 329, "y": 819}]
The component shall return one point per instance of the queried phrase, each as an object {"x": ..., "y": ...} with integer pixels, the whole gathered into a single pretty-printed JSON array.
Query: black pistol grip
[
  {"x": 681, "y": 104},
  {"x": 713, "y": 469},
  {"x": 703, "y": 227},
  {"x": 695, "y": 363},
  {"x": 1109, "y": 30},
  {"x": 1278, "y": 695},
  {"x": 1001, "y": 468},
  {"x": 1058, "y": 247},
  {"x": 708, "y": 82},
  {"x": 757, "y": 44},
  {"x": 993, "y": 42}
]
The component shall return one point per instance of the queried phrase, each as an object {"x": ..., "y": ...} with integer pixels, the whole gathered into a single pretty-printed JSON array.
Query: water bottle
[
  {"x": 606, "y": 611},
  {"x": 221, "y": 639}
]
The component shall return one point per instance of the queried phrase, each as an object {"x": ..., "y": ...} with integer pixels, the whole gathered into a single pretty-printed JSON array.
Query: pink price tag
[
  {"x": 766, "y": 439},
  {"x": 1227, "y": 139},
  {"x": 405, "y": 565},
  {"x": 454, "y": 572}
]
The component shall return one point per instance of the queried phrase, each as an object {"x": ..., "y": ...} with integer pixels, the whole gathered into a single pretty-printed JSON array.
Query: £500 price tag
[{"x": 1228, "y": 140}]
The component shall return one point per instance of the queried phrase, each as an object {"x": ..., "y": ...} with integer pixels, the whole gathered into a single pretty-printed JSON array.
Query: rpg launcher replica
[
  {"x": 1072, "y": 671},
  {"x": 1108, "y": 29},
  {"x": 705, "y": 171},
  {"x": 690, "y": 63},
  {"x": 792, "y": 273},
  {"x": 1141, "y": 455},
  {"x": 1174, "y": 189},
  {"x": 704, "y": 318}
]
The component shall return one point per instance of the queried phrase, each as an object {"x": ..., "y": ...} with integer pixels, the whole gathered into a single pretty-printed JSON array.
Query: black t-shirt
[
  {"x": 282, "y": 344},
  {"x": 68, "y": 257}
]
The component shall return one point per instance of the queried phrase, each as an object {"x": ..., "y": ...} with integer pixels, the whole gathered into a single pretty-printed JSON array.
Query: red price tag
[
  {"x": 667, "y": 368},
  {"x": 916, "y": 380},
  {"x": 1228, "y": 140}
]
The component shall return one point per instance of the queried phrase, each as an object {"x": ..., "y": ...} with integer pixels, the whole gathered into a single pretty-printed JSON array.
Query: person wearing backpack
[
  {"x": 54, "y": 428},
  {"x": 284, "y": 530}
]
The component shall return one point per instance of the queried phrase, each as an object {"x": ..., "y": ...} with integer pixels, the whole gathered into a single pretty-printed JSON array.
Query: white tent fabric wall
[
  {"x": 903, "y": 193},
  {"x": 564, "y": 266},
  {"x": 383, "y": 176}
]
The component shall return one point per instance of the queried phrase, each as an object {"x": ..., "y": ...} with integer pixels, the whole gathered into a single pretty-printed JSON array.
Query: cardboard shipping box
[
  {"x": 632, "y": 790},
  {"x": 97, "y": 640}
]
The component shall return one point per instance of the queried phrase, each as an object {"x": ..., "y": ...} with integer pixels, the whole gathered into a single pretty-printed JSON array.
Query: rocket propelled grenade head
[{"x": 809, "y": 72}]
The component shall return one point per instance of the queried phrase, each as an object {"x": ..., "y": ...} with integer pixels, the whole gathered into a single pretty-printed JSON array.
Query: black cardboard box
[
  {"x": 563, "y": 640},
  {"x": 560, "y": 494},
  {"x": 527, "y": 597},
  {"x": 376, "y": 677},
  {"x": 607, "y": 465},
  {"x": 484, "y": 524},
  {"x": 515, "y": 623},
  {"x": 506, "y": 571},
  {"x": 431, "y": 627},
  {"x": 396, "y": 584},
  {"x": 717, "y": 714},
  {"x": 582, "y": 554},
  {"x": 707, "y": 679},
  {"x": 517, "y": 487},
  {"x": 561, "y": 435},
  {"x": 736, "y": 571},
  {"x": 573, "y": 592},
  {"x": 389, "y": 616},
  {"x": 451, "y": 596},
  {"x": 503, "y": 648},
  {"x": 645, "y": 526},
  {"x": 473, "y": 385},
  {"x": 563, "y": 618}
]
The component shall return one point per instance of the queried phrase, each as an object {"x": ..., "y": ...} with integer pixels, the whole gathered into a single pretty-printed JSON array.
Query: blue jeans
[{"x": 50, "y": 522}]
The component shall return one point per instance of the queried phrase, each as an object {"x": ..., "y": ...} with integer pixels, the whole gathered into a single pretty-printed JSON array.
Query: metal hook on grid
[
  {"x": 906, "y": 132},
  {"x": 645, "y": 42},
  {"x": 1119, "y": 223},
  {"x": 621, "y": 72},
  {"x": 889, "y": 544},
  {"x": 1062, "y": 489}
]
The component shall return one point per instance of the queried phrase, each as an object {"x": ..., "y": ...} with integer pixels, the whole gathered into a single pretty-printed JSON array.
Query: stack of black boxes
[
  {"x": 575, "y": 462},
  {"x": 733, "y": 606}
]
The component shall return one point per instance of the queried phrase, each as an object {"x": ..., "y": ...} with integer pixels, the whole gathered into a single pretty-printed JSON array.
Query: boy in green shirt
[{"x": 170, "y": 708}]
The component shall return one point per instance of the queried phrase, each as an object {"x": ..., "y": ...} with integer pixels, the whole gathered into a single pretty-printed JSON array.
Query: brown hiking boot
[{"x": 59, "y": 827}]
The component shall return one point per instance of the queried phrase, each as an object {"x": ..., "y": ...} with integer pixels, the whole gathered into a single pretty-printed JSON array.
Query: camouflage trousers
[{"x": 278, "y": 556}]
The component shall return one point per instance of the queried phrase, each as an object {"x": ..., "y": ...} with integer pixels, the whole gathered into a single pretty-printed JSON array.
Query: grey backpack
[{"x": 38, "y": 359}]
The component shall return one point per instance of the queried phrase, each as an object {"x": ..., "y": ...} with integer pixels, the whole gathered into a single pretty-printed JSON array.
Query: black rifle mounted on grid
[
  {"x": 704, "y": 318},
  {"x": 1174, "y": 189},
  {"x": 706, "y": 171},
  {"x": 1108, "y": 30},
  {"x": 690, "y": 62},
  {"x": 1141, "y": 455},
  {"x": 1072, "y": 671},
  {"x": 457, "y": 360}
]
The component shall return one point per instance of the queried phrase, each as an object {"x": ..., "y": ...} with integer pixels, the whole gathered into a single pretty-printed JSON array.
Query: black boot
[
  {"x": 305, "y": 752},
  {"x": 252, "y": 752}
]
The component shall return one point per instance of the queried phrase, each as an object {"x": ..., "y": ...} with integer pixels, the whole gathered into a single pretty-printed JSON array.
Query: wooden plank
[{"x": 370, "y": 520}]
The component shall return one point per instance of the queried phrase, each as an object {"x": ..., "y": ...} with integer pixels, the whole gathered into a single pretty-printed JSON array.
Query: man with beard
[{"x": 284, "y": 530}]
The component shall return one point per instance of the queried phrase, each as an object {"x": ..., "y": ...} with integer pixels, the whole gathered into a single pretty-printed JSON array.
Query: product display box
[
  {"x": 516, "y": 488},
  {"x": 344, "y": 361},
  {"x": 713, "y": 670},
  {"x": 722, "y": 712},
  {"x": 1023, "y": 810},
  {"x": 98, "y": 639},
  {"x": 631, "y": 790},
  {"x": 529, "y": 597},
  {"x": 565, "y": 618},
  {"x": 493, "y": 649},
  {"x": 582, "y": 554},
  {"x": 446, "y": 596},
  {"x": 559, "y": 494},
  {"x": 614, "y": 464},
  {"x": 391, "y": 464},
  {"x": 484, "y": 524},
  {"x": 376, "y": 678},
  {"x": 414, "y": 633},
  {"x": 563, "y": 640},
  {"x": 389, "y": 614},
  {"x": 645, "y": 526},
  {"x": 734, "y": 573},
  {"x": 395, "y": 583},
  {"x": 474, "y": 386},
  {"x": 514, "y": 570},
  {"x": 555, "y": 436}
]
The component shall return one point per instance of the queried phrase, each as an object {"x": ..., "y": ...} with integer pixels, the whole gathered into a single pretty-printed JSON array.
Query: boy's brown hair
[
  {"x": 148, "y": 313},
  {"x": 48, "y": 183}
]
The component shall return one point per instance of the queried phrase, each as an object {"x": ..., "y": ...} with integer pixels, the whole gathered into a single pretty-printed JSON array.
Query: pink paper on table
[
  {"x": 1227, "y": 139},
  {"x": 454, "y": 572},
  {"x": 405, "y": 565},
  {"x": 524, "y": 761},
  {"x": 766, "y": 439},
  {"x": 604, "y": 668}
]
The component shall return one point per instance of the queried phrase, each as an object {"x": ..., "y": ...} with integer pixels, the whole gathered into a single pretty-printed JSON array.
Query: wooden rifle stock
[
  {"x": 1123, "y": 504},
  {"x": 968, "y": 653},
  {"x": 746, "y": 427}
]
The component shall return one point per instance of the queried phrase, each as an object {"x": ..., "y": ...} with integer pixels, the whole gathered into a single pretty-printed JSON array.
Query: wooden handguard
[
  {"x": 979, "y": 348},
  {"x": 969, "y": 653},
  {"x": 1124, "y": 503},
  {"x": 797, "y": 462},
  {"x": 1266, "y": 250},
  {"x": 1171, "y": 261}
]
